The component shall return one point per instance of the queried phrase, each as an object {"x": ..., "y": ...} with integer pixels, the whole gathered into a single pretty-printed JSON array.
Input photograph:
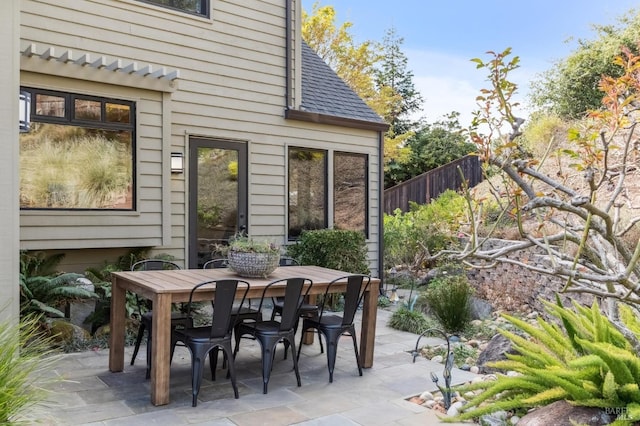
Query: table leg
[
  {"x": 308, "y": 335},
  {"x": 160, "y": 349},
  {"x": 368, "y": 331},
  {"x": 117, "y": 325}
]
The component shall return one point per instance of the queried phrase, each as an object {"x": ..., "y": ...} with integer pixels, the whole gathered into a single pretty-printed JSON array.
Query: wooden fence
[{"x": 422, "y": 189}]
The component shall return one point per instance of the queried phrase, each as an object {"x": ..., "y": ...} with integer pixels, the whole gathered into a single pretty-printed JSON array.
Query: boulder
[
  {"x": 480, "y": 309},
  {"x": 64, "y": 332},
  {"x": 561, "y": 413},
  {"x": 496, "y": 350}
]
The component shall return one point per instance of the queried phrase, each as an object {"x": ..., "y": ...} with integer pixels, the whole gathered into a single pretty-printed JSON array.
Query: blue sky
[{"x": 440, "y": 38}]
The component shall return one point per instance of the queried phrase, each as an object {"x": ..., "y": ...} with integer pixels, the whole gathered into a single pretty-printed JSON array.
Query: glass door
[{"x": 217, "y": 196}]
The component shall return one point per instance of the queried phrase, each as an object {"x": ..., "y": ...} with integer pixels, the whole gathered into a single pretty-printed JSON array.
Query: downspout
[
  {"x": 287, "y": 55},
  {"x": 381, "y": 210}
]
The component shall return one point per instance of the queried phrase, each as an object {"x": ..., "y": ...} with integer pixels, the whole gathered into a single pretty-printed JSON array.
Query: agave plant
[{"x": 582, "y": 358}]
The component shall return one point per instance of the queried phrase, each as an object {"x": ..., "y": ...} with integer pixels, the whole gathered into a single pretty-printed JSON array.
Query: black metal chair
[
  {"x": 270, "y": 332},
  {"x": 307, "y": 310},
  {"x": 203, "y": 340},
  {"x": 240, "y": 313},
  {"x": 145, "y": 311},
  {"x": 333, "y": 326},
  {"x": 216, "y": 263}
]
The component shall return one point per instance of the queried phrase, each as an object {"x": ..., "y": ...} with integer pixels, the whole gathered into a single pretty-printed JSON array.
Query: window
[
  {"x": 350, "y": 191},
  {"x": 307, "y": 190},
  {"x": 79, "y": 153},
  {"x": 309, "y": 185},
  {"x": 196, "y": 7}
]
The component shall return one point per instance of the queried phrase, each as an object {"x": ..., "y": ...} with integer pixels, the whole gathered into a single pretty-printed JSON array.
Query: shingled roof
[{"x": 323, "y": 92}]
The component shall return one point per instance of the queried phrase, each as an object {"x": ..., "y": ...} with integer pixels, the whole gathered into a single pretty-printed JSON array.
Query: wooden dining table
[{"x": 166, "y": 287}]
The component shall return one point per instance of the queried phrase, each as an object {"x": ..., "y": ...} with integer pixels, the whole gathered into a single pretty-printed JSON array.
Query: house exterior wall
[
  {"x": 232, "y": 86},
  {"x": 9, "y": 207}
]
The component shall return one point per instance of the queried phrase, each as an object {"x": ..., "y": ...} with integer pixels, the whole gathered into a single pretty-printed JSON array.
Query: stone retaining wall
[{"x": 514, "y": 288}]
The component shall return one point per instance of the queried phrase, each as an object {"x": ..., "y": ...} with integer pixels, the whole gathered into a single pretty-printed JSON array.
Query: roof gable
[{"x": 323, "y": 92}]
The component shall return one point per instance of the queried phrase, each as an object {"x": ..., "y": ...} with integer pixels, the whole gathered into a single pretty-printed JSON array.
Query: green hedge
[{"x": 332, "y": 248}]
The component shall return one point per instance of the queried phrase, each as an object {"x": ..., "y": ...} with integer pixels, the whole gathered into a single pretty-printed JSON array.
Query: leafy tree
[
  {"x": 579, "y": 213},
  {"x": 354, "y": 63},
  {"x": 377, "y": 73},
  {"x": 570, "y": 87},
  {"x": 431, "y": 146},
  {"x": 393, "y": 74}
]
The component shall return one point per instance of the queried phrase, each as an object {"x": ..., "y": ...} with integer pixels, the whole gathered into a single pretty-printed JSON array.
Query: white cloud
[{"x": 452, "y": 83}]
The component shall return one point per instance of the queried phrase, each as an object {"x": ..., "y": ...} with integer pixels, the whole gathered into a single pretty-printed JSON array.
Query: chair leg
[
  {"x": 320, "y": 340},
  {"x": 332, "y": 350},
  {"x": 138, "y": 341},
  {"x": 226, "y": 350},
  {"x": 304, "y": 330},
  {"x": 295, "y": 358},
  {"x": 197, "y": 359},
  {"x": 213, "y": 362},
  {"x": 355, "y": 349},
  {"x": 148, "y": 373},
  {"x": 268, "y": 349}
]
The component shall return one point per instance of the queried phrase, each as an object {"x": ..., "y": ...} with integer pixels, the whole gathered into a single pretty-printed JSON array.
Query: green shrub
[
  {"x": 407, "y": 320},
  {"x": 42, "y": 290},
  {"x": 409, "y": 238},
  {"x": 101, "y": 279},
  {"x": 581, "y": 358},
  {"x": 461, "y": 353},
  {"x": 332, "y": 248},
  {"x": 25, "y": 357},
  {"x": 449, "y": 299}
]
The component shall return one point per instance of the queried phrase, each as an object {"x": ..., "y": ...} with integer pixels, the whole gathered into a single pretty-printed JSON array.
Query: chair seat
[
  {"x": 195, "y": 334},
  {"x": 306, "y": 309},
  {"x": 328, "y": 321},
  {"x": 245, "y": 310},
  {"x": 175, "y": 316},
  {"x": 265, "y": 327}
]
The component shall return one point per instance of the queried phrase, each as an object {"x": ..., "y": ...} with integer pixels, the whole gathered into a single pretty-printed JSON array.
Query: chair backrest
[
  {"x": 288, "y": 261},
  {"x": 294, "y": 295},
  {"x": 357, "y": 285},
  {"x": 226, "y": 292},
  {"x": 216, "y": 264},
  {"x": 150, "y": 265},
  {"x": 154, "y": 265}
]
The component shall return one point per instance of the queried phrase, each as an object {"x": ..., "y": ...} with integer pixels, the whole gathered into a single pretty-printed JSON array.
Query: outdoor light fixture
[
  {"x": 25, "y": 111},
  {"x": 177, "y": 162}
]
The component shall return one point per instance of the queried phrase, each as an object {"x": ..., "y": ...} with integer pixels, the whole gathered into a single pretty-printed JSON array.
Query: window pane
[
  {"x": 87, "y": 110},
  {"x": 307, "y": 190},
  {"x": 118, "y": 113},
  {"x": 70, "y": 167},
  {"x": 350, "y": 191},
  {"x": 191, "y": 6},
  {"x": 51, "y": 106}
]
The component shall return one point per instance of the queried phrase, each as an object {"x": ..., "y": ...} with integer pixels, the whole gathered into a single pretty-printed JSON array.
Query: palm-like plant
[{"x": 46, "y": 292}]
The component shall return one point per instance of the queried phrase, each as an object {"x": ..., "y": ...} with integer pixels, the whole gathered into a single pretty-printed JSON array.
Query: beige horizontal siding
[{"x": 231, "y": 86}]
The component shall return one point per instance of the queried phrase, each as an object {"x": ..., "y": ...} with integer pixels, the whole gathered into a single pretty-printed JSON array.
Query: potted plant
[{"x": 251, "y": 258}]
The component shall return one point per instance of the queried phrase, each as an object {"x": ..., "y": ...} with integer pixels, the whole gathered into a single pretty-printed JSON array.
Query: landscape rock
[
  {"x": 561, "y": 413},
  {"x": 496, "y": 350},
  {"x": 64, "y": 332},
  {"x": 499, "y": 418},
  {"x": 480, "y": 309}
]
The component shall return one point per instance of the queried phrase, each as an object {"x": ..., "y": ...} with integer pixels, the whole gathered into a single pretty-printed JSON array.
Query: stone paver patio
[{"x": 90, "y": 394}]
